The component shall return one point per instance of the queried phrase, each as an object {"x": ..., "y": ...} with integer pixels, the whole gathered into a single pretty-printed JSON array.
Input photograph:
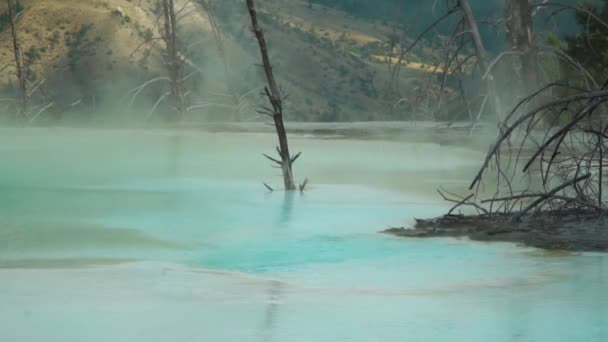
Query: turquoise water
[{"x": 214, "y": 257}]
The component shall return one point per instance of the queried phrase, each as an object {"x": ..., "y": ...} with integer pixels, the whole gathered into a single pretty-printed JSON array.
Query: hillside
[
  {"x": 85, "y": 56},
  {"x": 83, "y": 51},
  {"x": 416, "y": 15}
]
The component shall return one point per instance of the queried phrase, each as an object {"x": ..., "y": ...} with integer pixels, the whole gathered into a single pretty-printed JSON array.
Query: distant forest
[
  {"x": 416, "y": 14},
  {"x": 401, "y": 9}
]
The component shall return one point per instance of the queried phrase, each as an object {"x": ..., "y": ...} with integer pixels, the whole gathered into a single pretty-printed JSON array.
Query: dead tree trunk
[
  {"x": 172, "y": 57},
  {"x": 274, "y": 96},
  {"x": 520, "y": 34},
  {"x": 20, "y": 69},
  {"x": 480, "y": 53}
]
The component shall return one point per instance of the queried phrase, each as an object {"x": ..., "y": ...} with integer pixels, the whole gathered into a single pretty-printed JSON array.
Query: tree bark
[
  {"x": 480, "y": 53},
  {"x": 172, "y": 58},
  {"x": 274, "y": 96},
  {"x": 22, "y": 91}
]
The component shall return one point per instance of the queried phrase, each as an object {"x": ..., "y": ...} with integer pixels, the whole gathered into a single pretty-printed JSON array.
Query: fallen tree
[
  {"x": 548, "y": 161},
  {"x": 564, "y": 203}
]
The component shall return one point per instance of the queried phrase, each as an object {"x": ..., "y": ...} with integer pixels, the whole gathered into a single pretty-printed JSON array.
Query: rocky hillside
[{"x": 85, "y": 57}]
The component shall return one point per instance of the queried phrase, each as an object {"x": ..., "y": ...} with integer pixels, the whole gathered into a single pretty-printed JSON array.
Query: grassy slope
[
  {"x": 315, "y": 51},
  {"x": 117, "y": 27}
]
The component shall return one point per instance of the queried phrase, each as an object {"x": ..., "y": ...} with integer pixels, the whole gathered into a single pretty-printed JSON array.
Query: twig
[
  {"x": 303, "y": 185},
  {"x": 268, "y": 187},
  {"x": 549, "y": 195},
  {"x": 461, "y": 201}
]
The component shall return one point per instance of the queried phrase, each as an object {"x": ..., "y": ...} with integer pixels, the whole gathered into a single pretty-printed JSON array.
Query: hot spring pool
[{"x": 133, "y": 236}]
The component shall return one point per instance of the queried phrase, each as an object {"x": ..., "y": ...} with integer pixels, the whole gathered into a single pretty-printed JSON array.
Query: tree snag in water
[
  {"x": 274, "y": 97},
  {"x": 20, "y": 70}
]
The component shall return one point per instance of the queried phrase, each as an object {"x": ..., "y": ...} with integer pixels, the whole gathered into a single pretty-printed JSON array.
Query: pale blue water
[{"x": 322, "y": 272}]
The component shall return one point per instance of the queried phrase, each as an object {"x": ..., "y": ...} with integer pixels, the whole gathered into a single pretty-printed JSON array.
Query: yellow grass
[
  {"x": 42, "y": 19},
  {"x": 410, "y": 65}
]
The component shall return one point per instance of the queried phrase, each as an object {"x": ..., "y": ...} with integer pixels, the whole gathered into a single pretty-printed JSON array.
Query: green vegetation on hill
[
  {"x": 589, "y": 46},
  {"x": 5, "y": 19},
  {"x": 335, "y": 59},
  {"x": 329, "y": 64},
  {"x": 416, "y": 15}
]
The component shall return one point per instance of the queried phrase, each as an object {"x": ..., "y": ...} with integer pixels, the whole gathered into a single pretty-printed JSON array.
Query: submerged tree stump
[{"x": 276, "y": 112}]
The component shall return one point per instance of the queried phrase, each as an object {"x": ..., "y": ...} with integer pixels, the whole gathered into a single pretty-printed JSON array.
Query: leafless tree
[
  {"x": 480, "y": 52},
  {"x": 570, "y": 159},
  {"x": 286, "y": 160},
  {"x": 520, "y": 35},
  {"x": 563, "y": 162},
  {"x": 27, "y": 110},
  {"x": 457, "y": 60},
  {"x": 173, "y": 59},
  {"x": 19, "y": 65}
]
